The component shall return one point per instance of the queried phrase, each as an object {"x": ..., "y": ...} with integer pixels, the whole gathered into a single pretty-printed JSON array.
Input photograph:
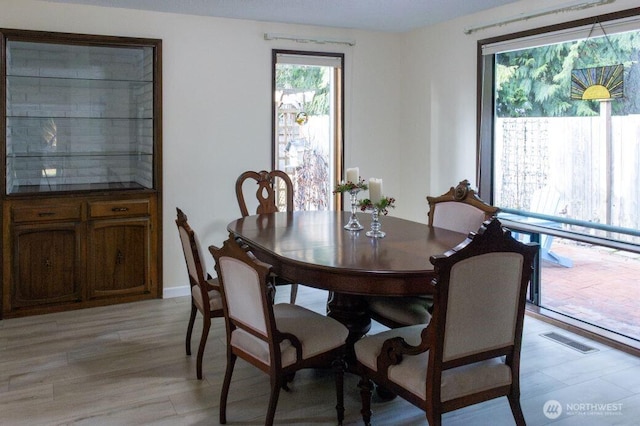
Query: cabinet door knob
[
  {"x": 43, "y": 214},
  {"x": 119, "y": 209}
]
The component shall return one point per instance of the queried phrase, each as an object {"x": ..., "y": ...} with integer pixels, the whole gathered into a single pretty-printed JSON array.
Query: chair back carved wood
[
  {"x": 470, "y": 350},
  {"x": 266, "y": 192},
  {"x": 459, "y": 209}
]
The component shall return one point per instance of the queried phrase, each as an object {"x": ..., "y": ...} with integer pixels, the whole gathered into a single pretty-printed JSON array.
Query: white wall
[{"x": 410, "y": 103}]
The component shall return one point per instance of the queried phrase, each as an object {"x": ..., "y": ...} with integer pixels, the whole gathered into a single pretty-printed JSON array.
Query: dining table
[{"x": 313, "y": 248}]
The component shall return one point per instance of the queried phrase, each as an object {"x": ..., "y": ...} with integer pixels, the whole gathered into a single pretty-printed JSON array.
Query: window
[
  {"x": 563, "y": 163},
  {"x": 307, "y": 123}
]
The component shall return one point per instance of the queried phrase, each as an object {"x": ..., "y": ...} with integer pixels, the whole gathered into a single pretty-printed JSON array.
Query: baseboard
[{"x": 179, "y": 291}]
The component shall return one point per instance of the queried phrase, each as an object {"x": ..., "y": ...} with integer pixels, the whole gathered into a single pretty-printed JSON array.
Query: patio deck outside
[{"x": 602, "y": 287}]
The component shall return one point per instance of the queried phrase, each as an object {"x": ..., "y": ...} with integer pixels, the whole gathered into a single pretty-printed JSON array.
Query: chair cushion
[
  {"x": 317, "y": 333},
  {"x": 411, "y": 373},
  {"x": 402, "y": 310},
  {"x": 215, "y": 299}
]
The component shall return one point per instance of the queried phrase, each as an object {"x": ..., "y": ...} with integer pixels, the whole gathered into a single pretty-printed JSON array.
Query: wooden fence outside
[{"x": 571, "y": 156}]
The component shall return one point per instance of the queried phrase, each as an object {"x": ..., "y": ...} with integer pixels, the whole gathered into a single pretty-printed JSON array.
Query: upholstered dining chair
[
  {"x": 470, "y": 350},
  {"x": 279, "y": 339},
  {"x": 205, "y": 291},
  {"x": 460, "y": 210},
  {"x": 274, "y": 188}
]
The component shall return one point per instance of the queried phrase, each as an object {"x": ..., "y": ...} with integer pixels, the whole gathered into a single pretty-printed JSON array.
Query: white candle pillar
[
  {"x": 375, "y": 190},
  {"x": 353, "y": 175}
]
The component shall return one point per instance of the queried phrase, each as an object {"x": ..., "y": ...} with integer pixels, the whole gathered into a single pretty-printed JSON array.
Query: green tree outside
[
  {"x": 536, "y": 82},
  {"x": 305, "y": 78}
]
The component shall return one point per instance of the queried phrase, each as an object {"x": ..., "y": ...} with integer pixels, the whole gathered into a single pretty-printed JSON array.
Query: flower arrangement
[
  {"x": 383, "y": 205},
  {"x": 350, "y": 186}
]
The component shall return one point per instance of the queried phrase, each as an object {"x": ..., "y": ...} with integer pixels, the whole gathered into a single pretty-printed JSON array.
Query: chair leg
[
  {"x": 276, "y": 384},
  {"x": 366, "y": 386},
  {"x": 434, "y": 419},
  {"x": 339, "y": 366},
  {"x": 231, "y": 362},
  {"x": 288, "y": 378},
  {"x": 294, "y": 293},
  {"x": 203, "y": 342},
  {"x": 516, "y": 409},
  {"x": 192, "y": 320}
]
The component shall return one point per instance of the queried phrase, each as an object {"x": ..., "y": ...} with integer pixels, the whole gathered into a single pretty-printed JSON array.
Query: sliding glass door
[{"x": 560, "y": 155}]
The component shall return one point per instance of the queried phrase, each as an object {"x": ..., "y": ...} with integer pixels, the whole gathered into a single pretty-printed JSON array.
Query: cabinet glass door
[{"x": 78, "y": 117}]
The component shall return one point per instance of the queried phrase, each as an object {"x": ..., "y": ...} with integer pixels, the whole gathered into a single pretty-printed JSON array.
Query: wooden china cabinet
[{"x": 81, "y": 159}]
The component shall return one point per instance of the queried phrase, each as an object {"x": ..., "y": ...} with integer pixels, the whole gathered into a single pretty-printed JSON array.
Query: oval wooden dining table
[{"x": 312, "y": 248}]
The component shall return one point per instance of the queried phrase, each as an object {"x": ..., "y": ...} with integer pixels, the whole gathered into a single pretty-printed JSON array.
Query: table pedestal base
[{"x": 351, "y": 311}]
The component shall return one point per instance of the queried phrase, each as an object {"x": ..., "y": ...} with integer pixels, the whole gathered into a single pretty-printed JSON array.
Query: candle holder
[
  {"x": 353, "y": 189},
  {"x": 354, "y": 224},
  {"x": 382, "y": 206},
  {"x": 375, "y": 225}
]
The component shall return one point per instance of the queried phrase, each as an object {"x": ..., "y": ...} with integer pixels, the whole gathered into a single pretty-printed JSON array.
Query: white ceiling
[{"x": 372, "y": 15}]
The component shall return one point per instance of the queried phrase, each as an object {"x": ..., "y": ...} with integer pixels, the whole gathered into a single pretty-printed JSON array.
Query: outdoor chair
[{"x": 545, "y": 201}]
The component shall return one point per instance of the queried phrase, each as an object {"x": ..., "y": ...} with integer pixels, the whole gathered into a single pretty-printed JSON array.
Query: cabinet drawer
[
  {"x": 119, "y": 208},
  {"x": 46, "y": 213}
]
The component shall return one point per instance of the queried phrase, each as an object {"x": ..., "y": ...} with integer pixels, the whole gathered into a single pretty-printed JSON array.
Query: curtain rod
[
  {"x": 303, "y": 39},
  {"x": 579, "y": 5}
]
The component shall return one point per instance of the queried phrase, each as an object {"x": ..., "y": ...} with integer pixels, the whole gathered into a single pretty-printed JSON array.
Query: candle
[
  {"x": 353, "y": 175},
  {"x": 375, "y": 190}
]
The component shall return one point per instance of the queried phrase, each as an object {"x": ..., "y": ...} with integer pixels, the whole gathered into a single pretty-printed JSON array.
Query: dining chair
[
  {"x": 470, "y": 350},
  {"x": 459, "y": 210},
  {"x": 205, "y": 290},
  {"x": 278, "y": 339},
  {"x": 274, "y": 189}
]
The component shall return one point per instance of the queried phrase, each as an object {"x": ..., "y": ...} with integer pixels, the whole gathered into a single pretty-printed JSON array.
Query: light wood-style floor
[{"x": 126, "y": 365}]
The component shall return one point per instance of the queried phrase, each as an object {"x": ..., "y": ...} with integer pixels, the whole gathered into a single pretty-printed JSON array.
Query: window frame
[
  {"x": 338, "y": 157},
  {"x": 485, "y": 128}
]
